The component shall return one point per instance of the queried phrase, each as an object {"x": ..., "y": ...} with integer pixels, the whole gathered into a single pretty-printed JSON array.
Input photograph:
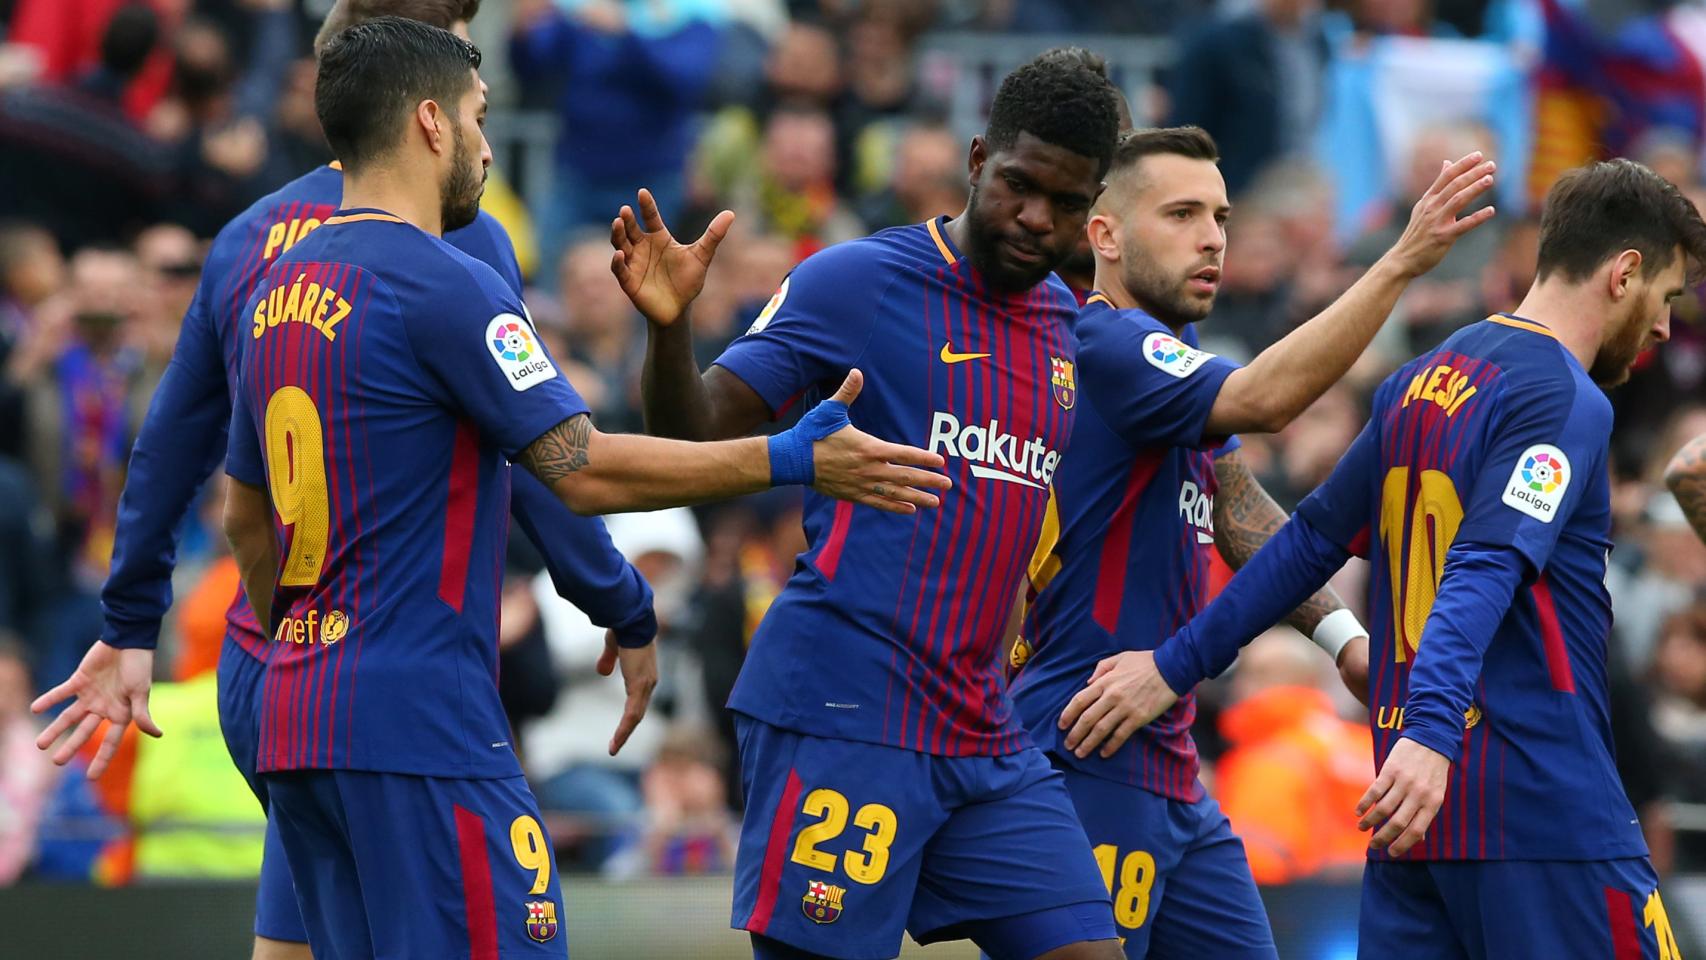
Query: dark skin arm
[
  {"x": 662, "y": 278},
  {"x": 1685, "y": 475}
]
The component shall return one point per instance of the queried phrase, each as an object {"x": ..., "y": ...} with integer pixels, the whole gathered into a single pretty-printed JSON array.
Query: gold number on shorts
[
  {"x": 831, "y": 808},
  {"x": 296, "y": 475},
  {"x": 531, "y": 850},
  {"x": 1131, "y": 893},
  {"x": 1654, "y": 916}
]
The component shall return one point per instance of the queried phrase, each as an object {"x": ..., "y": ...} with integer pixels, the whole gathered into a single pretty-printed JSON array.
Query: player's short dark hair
[
  {"x": 1190, "y": 142},
  {"x": 1595, "y": 212},
  {"x": 439, "y": 13},
  {"x": 374, "y": 74},
  {"x": 129, "y": 38},
  {"x": 1062, "y": 97}
]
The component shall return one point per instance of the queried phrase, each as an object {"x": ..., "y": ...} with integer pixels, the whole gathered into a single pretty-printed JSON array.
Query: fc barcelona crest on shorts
[
  {"x": 822, "y": 902},
  {"x": 541, "y": 919},
  {"x": 1065, "y": 386}
]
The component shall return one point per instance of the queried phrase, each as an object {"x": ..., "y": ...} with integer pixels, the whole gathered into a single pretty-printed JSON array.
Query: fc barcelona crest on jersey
[
  {"x": 1065, "y": 386},
  {"x": 541, "y": 919},
  {"x": 822, "y": 902}
]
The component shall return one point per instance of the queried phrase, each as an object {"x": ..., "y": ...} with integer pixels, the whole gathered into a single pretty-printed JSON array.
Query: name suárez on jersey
[
  {"x": 302, "y": 301},
  {"x": 993, "y": 453}
]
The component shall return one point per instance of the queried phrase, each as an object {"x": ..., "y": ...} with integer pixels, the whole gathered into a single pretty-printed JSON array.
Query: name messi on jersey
[
  {"x": 1441, "y": 384},
  {"x": 302, "y": 301},
  {"x": 994, "y": 454}
]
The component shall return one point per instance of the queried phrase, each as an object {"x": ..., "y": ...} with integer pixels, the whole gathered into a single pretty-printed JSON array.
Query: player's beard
[
  {"x": 1616, "y": 355},
  {"x": 460, "y": 192},
  {"x": 984, "y": 239},
  {"x": 1166, "y": 298}
]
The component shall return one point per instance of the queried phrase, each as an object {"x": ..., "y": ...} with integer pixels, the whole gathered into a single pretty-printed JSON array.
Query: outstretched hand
[
  {"x": 1434, "y": 225},
  {"x": 853, "y": 465},
  {"x": 110, "y": 684},
  {"x": 659, "y": 274}
]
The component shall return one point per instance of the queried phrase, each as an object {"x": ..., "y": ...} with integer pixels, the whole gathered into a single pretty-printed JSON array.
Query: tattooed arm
[
  {"x": 1685, "y": 475},
  {"x": 595, "y": 472},
  {"x": 1244, "y": 518}
]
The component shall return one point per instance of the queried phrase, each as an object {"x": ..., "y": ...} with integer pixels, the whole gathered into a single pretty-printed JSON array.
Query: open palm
[{"x": 660, "y": 275}]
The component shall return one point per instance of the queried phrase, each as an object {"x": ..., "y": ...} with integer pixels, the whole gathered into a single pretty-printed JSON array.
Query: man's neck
[
  {"x": 1110, "y": 286},
  {"x": 398, "y": 193},
  {"x": 1567, "y": 309}
]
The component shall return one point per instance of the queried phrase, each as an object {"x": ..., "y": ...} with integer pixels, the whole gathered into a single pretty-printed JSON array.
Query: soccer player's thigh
[
  {"x": 277, "y": 916},
  {"x": 1138, "y": 839},
  {"x": 1011, "y": 869},
  {"x": 1552, "y": 908},
  {"x": 1210, "y": 907},
  {"x": 831, "y": 841},
  {"x": 1404, "y": 915},
  {"x": 307, "y": 809}
]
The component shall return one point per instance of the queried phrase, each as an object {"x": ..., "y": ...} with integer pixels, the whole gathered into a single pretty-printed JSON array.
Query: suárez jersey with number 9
[
  {"x": 1497, "y": 438},
  {"x": 892, "y": 628},
  {"x": 386, "y": 377}
]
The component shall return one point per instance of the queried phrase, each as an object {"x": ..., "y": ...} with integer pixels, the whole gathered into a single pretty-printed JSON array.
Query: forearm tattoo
[
  {"x": 1244, "y": 518},
  {"x": 562, "y": 450},
  {"x": 1686, "y": 477}
]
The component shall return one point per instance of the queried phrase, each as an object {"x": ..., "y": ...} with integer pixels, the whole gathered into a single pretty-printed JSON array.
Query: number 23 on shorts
[{"x": 866, "y": 865}]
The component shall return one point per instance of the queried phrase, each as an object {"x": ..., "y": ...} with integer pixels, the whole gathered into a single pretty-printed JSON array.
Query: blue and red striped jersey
[
  {"x": 1124, "y": 555},
  {"x": 386, "y": 378},
  {"x": 182, "y": 441},
  {"x": 891, "y": 629},
  {"x": 1498, "y": 440}
]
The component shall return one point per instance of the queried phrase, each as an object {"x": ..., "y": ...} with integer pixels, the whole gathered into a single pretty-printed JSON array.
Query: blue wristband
[{"x": 791, "y": 450}]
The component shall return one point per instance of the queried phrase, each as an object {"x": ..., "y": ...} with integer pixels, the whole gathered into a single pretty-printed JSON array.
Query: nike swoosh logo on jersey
[{"x": 949, "y": 356}]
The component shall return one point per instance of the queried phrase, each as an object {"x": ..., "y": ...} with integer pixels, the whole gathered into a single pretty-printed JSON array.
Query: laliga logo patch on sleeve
[
  {"x": 770, "y": 308},
  {"x": 519, "y": 355},
  {"x": 1173, "y": 356},
  {"x": 1538, "y": 482}
]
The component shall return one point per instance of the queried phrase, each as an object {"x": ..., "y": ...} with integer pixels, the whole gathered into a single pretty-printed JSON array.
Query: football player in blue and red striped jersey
[
  {"x": 1480, "y": 493},
  {"x": 386, "y": 379},
  {"x": 889, "y": 785},
  {"x": 1152, "y": 486},
  {"x": 182, "y": 441}
]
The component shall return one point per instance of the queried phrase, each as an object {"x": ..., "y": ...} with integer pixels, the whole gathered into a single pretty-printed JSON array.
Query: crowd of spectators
[{"x": 131, "y": 130}]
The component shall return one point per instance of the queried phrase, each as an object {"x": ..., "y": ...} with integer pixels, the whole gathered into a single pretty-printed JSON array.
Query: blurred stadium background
[{"x": 130, "y": 131}]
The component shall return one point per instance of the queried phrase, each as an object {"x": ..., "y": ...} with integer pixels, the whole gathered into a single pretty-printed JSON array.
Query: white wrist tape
[{"x": 1335, "y": 630}]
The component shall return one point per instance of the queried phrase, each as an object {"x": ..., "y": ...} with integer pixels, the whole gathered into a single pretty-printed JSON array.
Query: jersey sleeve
[
  {"x": 243, "y": 447},
  {"x": 1151, "y": 388},
  {"x": 482, "y": 354},
  {"x": 586, "y": 568},
  {"x": 815, "y": 327},
  {"x": 1545, "y": 442},
  {"x": 1342, "y": 507},
  {"x": 181, "y": 443}
]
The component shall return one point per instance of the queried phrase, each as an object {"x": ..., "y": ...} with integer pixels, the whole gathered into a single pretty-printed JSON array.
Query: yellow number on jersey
[
  {"x": 296, "y": 475},
  {"x": 1131, "y": 893},
  {"x": 1432, "y": 521},
  {"x": 831, "y": 807},
  {"x": 531, "y": 850},
  {"x": 1654, "y": 916}
]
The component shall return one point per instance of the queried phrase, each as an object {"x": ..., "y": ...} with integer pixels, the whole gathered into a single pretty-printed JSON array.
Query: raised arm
[
  {"x": 1287, "y": 377},
  {"x": 662, "y": 278},
  {"x": 1245, "y": 518},
  {"x": 1685, "y": 475}
]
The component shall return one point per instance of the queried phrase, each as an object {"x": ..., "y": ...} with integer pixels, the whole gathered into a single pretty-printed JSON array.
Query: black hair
[
  {"x": 1595, "y": 212},
  {"x": 129, "y": 38},
  {"x": 1193, "y": 143},
  {"x": 372, "y": 76},
  {"x": 1062, "y": 97}
]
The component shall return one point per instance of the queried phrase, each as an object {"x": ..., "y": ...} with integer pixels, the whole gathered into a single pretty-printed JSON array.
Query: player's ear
[
  {"x": 1103, "y": 241},
  {"x": 1623, "y": 269},
  {"x": 974, "y": 160},
  {"x": 431, "y": 119}
]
